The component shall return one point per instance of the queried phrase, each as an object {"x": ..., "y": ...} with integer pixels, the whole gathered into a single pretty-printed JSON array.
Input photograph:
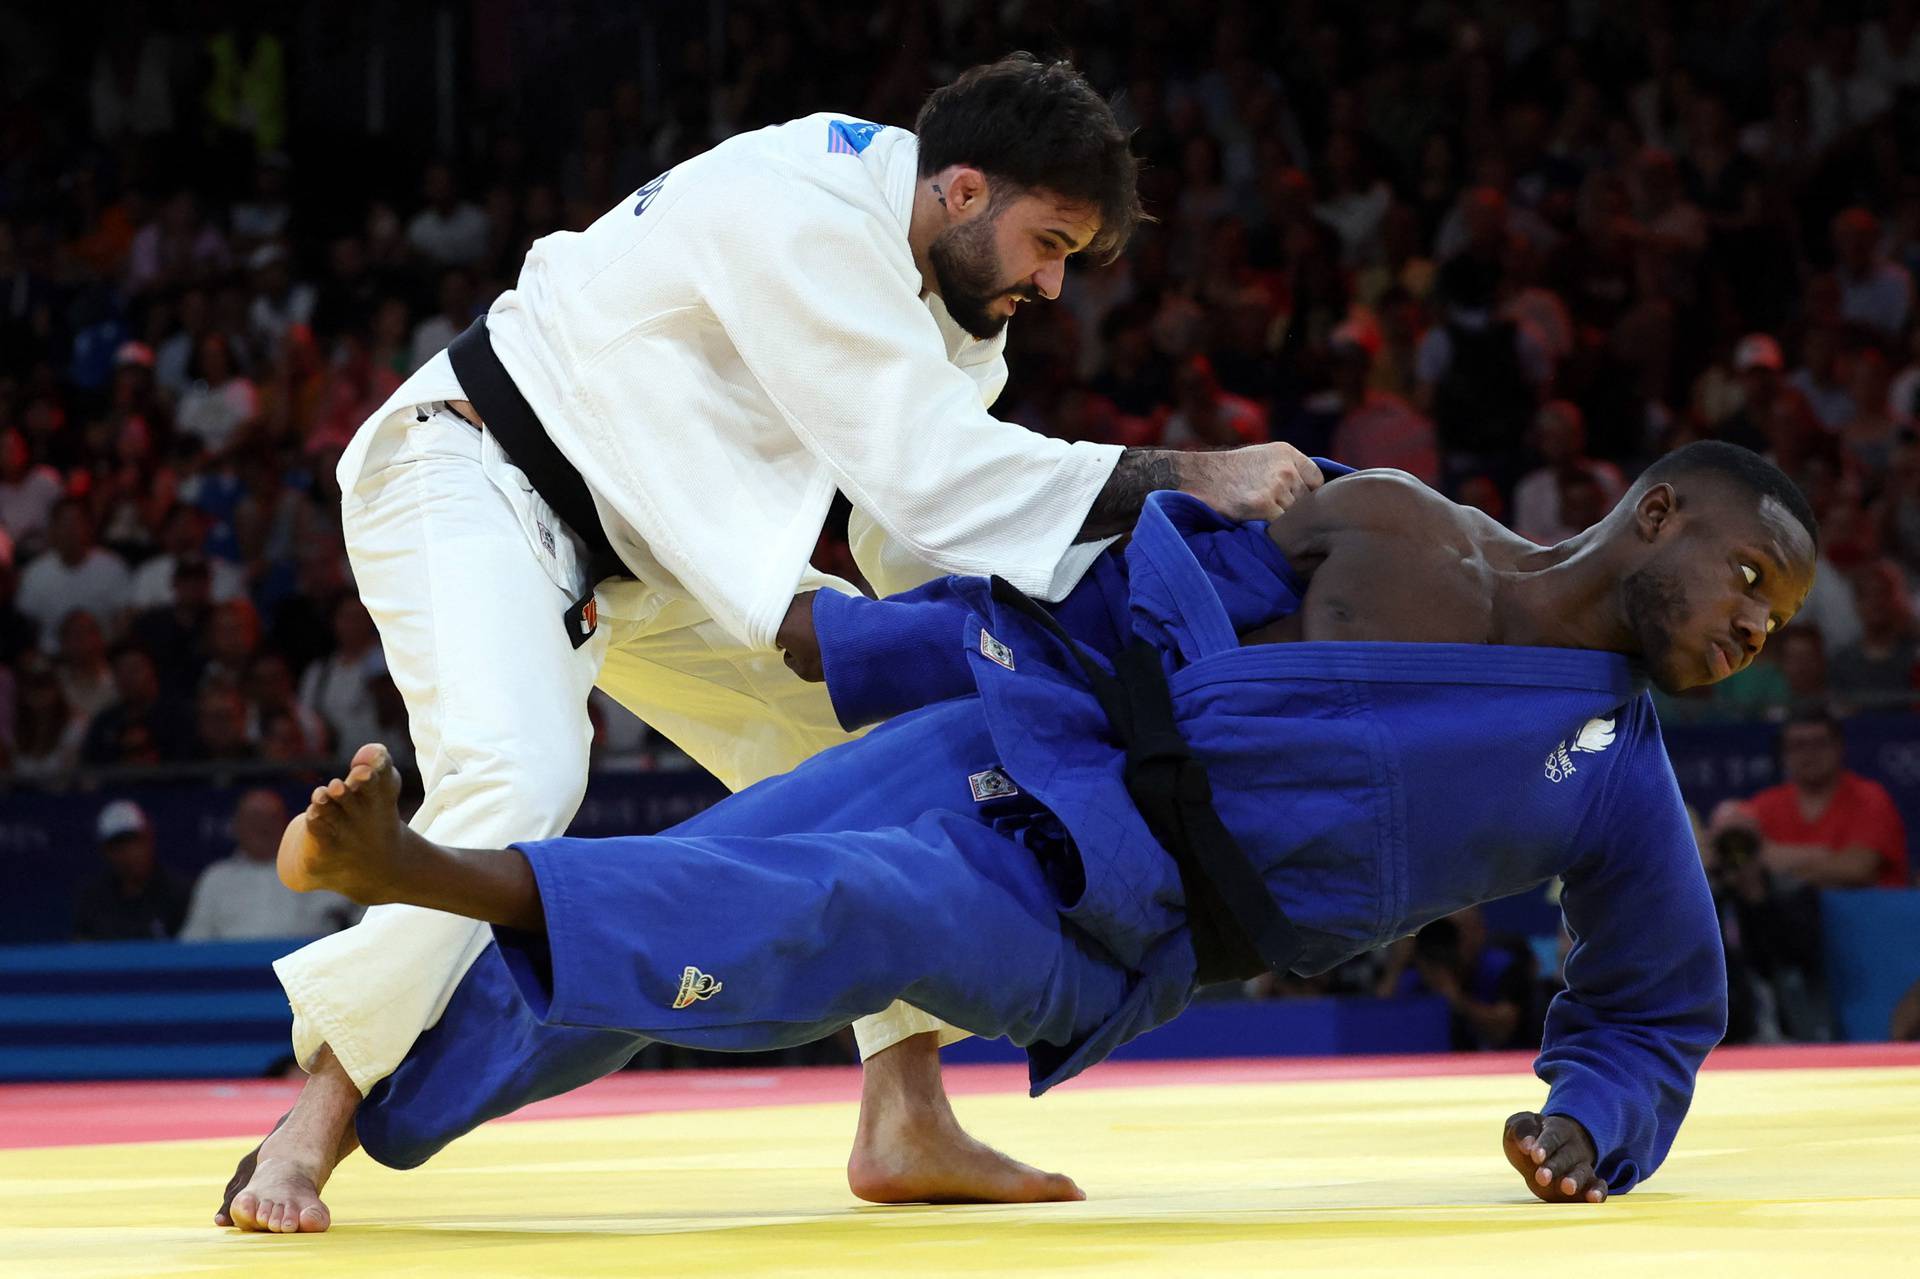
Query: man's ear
[
  {"x": 1654, "y": 513},
  {"x": 965, "y": 191}
]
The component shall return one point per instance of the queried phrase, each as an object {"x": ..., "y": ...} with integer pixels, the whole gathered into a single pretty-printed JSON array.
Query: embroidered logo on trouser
[{"x": 696, "y": 985}]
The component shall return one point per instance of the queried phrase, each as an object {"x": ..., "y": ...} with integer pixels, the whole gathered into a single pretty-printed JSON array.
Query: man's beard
[
  {"x": 967, "y": 268},
  {"x": 1654, "y": 603}
]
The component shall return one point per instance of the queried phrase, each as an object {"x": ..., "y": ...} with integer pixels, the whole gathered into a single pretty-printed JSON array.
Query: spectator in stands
[
  {"x": 136, "y": 898},
  {"x": 279, "y": 301},
  {"x": 46, "y": 732},
  {"x": 432, "y": 334},
  {"x": 1827, "y": 826},
  {"x": 1375, "y": 427},
  {"x": 1560, "y": 439},
  {"x": 221, "y": 403},
  {"x": 183, "y": 534},
  {"x": 1480, "y": 376},
  {"x": 233, "y": 634},
  {"x": 449, "y": 231},
  {"x": 1875, "y": 292},
  {"x": 1487, "y": 983},
  {"x": 1771, "y": 930},
  {"x": 74, "y": 573},
  {"x": 86, "y": 676},
  {"x": 28, "y": 491},
  {"x": 241, "y": 897},
  {"x": 344, "y": 688},
  {"x": 1206, "y": 416},
  {"x": 1870, "y": 435},
  {"x": 176, "y": 633},
  {"x": 143, "y": 725},
  {"x": 220, "y": 721},
  {"x": 271, "y": 694},
  {"x": 1877, "y": 672},
  {"x": 1821, "y": 378}
]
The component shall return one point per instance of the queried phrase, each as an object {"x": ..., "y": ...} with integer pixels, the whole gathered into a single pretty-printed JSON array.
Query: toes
[
  {"x": 315, "y": 1218},
  {"x": 222, "y": 1219},
  {"x": 244, "y": 1210}
]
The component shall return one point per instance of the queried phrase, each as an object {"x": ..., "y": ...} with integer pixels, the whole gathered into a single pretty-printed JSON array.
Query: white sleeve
[{"x": 822, "y": 303}]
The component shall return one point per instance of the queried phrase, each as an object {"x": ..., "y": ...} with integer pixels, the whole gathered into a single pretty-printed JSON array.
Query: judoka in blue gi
[{"x": 1397, "y": 709}]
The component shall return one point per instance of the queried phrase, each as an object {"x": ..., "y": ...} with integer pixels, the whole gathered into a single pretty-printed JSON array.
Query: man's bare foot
[
  {"x": 911, "y": 1149},
  {"x": 284, "y": 1175},
  {"x": 351, "y": 840}
]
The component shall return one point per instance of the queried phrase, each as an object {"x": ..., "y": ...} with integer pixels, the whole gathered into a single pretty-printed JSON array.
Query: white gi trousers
[{"x": 468, "y": 575}]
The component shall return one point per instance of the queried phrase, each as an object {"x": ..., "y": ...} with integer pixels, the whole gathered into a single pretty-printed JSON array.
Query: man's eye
[
  {"x": 1773, "y": 624},
  {"x": 1746, "y": 571}
]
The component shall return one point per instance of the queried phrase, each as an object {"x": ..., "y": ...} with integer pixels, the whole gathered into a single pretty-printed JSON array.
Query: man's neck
[
  {"x": 928, "y": 220},
  {"x": 1564, "y": 596}
]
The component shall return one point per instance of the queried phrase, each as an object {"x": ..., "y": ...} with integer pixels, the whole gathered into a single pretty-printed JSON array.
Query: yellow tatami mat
[{"x": 1778, "y": 1172}]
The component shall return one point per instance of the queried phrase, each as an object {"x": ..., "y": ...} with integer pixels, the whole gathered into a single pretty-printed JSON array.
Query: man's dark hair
[
  {"x": 1038, "y": 126},
  {"x": 1741, "y": 465}
]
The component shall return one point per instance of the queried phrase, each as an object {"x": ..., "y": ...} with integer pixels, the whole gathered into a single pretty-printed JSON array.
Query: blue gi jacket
[{"x": 1377, "y": 786}]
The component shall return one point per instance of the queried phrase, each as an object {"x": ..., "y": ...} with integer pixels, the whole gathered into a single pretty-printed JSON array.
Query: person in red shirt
[{"x": 1825, "y": 825}]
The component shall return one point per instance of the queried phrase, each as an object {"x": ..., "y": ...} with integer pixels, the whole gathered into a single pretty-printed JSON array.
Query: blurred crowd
[{"x": 1516, "y": 248}]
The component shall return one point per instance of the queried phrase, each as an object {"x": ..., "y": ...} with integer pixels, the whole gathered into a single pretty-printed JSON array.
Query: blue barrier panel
[
  {"x": 1873, "y": 956},
  {"x": 48, "y": 848}
]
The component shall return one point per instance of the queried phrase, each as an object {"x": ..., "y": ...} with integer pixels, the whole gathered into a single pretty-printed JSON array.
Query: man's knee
[{"x": 490, "y": 798}]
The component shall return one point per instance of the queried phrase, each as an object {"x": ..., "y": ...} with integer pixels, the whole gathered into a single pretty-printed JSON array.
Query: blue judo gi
[{"x": 979, "y": 856}]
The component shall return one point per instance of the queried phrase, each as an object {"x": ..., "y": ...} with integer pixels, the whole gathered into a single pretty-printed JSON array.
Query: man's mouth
[{"x": 1719, "y": 661}]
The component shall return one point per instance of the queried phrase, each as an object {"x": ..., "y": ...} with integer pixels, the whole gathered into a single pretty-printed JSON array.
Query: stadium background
[{"x": 1519, "y": 249}]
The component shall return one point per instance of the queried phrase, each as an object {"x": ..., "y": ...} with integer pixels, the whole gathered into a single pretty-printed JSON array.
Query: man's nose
[
  {"x": 1751, "y": 629},
  {"x": 1049, "y": 279}
]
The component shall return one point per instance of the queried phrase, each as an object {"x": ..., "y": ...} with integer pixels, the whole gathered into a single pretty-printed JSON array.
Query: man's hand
[
  {"x": 1556, "y": 1156},
  {"x": 798, "y": 643},
  {"x": 1254, "y": 483}
]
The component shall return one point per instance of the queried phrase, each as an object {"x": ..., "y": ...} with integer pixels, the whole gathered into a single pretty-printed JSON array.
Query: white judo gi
[{"x": 715, "y": 355}]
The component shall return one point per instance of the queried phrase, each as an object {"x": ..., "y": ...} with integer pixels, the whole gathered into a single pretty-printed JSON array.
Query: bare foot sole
[
  {"x": 282, "y": 1197},
  {"x": 942, "y": 1164},
  {"x": 351, "y": 839}
]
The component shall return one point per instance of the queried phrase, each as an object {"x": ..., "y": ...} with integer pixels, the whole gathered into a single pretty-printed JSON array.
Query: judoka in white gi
[{"x": 813, "y": 306}]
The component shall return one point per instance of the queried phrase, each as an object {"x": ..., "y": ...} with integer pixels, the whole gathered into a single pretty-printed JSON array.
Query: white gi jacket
[{"x": 746, "y": 333}]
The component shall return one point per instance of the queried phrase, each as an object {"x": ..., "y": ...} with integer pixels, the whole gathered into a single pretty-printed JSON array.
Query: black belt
[
  {"x": 512, "y": 421},
  {"x": 1238, "y": 929}
]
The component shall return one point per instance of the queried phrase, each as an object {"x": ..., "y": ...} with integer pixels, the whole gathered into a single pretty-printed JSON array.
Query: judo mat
[{"x": 1795, "y": 1161}]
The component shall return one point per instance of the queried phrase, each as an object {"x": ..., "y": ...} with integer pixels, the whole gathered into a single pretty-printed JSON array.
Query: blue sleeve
[
  {"x": 1646, "y": 995},
  {"x": 885, "y": 657}
]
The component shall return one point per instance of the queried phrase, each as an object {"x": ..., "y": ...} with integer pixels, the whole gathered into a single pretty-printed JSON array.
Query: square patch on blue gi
[
  {"x": 994, "y": 651},
  {"x": 992, "y": 784}
]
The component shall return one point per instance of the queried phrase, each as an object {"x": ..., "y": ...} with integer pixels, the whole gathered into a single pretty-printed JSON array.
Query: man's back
[{"x": 1386, "y": 558}]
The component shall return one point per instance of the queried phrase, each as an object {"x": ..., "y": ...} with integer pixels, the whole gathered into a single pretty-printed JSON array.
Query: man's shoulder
[
  {"x": 1384, "y": 500},
  {"x": 1863, "y": 790}
]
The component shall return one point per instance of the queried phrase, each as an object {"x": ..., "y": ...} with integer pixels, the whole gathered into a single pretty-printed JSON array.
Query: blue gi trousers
[{"x": 872, "y": 873}]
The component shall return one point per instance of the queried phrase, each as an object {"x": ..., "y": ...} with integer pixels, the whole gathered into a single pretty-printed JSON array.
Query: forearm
[{"x": 1137, "y": 473}]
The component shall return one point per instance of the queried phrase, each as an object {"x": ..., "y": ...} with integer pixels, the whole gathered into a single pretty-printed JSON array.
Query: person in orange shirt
[{"x": 1825, "y": 825}]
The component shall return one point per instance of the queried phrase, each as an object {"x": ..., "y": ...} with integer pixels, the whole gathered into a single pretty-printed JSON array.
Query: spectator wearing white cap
[
  {"x": 241, "y": 897},
  {"x": 1760, "y": 369},
  {"x": 136, "y": 898}
]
